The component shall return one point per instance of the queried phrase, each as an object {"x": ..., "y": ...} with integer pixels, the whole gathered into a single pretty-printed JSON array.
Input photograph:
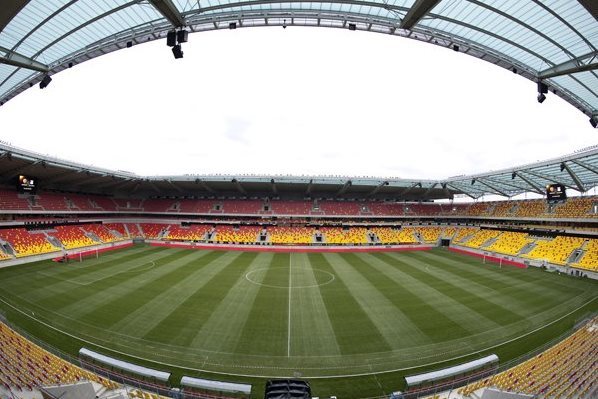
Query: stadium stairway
[
  {"x": 527, "y": 248},
  {"x": 489, "y": 242}
]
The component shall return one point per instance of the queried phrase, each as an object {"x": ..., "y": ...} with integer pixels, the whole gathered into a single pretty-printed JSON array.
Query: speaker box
[
  {"x": 171, "y": 39},
  {"x": 182, "y": 36}
]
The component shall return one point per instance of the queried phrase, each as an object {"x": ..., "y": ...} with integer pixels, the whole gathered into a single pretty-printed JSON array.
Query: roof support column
[
  {"x": 578, "y": 183},
  {"x": 417, "y": 11},
  {"x": 344, "y": 188},
  {"x": 18, "y": 60},
  {"x": 170, "y": 12}
]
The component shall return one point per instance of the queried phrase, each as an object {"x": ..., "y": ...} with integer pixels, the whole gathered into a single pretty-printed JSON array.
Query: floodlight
[
  {"x": 177, "y": 51},
  {"x": 45, "y": 82},
  {"x": 594, "y": 122},
  {"x": 352, "y": 27},
  {"x": 232, "y": 25},
  {"x": 541, "y": 97},
  {"x": 455, "y": 47}
]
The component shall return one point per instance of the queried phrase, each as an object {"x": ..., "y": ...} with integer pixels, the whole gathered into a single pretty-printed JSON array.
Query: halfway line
[{"x": 289, "y": 327}]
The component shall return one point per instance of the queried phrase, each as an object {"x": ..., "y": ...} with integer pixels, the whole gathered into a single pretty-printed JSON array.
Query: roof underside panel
[
  {"x": 582, "y": 84},
  {"x": 531, "y": 36}
]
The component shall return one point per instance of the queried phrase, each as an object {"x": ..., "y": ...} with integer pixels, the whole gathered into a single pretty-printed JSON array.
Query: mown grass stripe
[
  {"x": 123, "y": 304},
  {"x": 515, "y": 298},
  {"x": 68, "y": 281},
  {"x": 205, "y": 300},
  {"x": 158, "y": 307},
  {"x": 477, "y": 303},
  {"x": 354, "y": 331},
  {"x": 182, "y": 323},
  {"x": 445, "y": 297},
  {"x": 93, "y": 297},
  {"x": 429, "y": 320},
  {"x": 266, "y": 329},
  {"x": 43, "y": 270},
  {"x": 383, "y": 315},
  {"x": 509, "y": 276},
  {"x": 310, "y": 312},
  {"x": 222, "y": 330}
]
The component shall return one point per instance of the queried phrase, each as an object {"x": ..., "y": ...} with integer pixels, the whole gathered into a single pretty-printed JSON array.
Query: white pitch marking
[{"x": 289, "y": 328}]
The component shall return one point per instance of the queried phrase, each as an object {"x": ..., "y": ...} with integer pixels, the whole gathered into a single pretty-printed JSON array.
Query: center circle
[{"x": 322, "y": 278}]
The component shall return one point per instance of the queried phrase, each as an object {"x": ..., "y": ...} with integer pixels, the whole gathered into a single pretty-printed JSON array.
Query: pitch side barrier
[
  {"x": 426, "y": 383},
  {"x": 78, "y": 255},
  {"x": 216, "y": 386},
  {"x": 125, "y": 366},
  {"x": 290, "y": 248},
  {"x": 491, "y": 258}
]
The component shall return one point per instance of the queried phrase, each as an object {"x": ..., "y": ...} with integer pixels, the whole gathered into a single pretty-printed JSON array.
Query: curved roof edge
[
  {"x": 555, "y": 44},
  {"x": 577, "y": 171}
]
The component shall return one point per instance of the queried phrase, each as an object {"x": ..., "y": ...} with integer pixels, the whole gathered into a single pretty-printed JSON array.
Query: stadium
[{"x": 115, "y": 284}]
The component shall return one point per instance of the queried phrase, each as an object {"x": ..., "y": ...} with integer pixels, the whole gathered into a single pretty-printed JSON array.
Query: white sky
[{"x": 294, "y": 101}]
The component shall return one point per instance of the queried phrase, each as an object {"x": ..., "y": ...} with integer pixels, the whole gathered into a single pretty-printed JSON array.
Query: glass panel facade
[{"x": 529, "y": 34}]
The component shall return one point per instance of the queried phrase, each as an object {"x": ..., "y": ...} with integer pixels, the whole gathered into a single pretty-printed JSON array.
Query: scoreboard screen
[
  {"x": 26, "y": 184},
  {"x": 556, "y": 192}
]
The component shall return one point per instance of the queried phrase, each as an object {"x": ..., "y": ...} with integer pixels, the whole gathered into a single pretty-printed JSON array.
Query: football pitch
[{"x": 351, "y": 323}]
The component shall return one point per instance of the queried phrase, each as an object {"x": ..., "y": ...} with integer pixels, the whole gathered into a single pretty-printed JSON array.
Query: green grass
[{"x": 353, "y": 324}]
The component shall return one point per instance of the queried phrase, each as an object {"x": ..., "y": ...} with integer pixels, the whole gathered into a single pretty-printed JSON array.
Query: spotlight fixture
[
  {"x": 352, "y": 27},
  {"x": 514, "y": 70},
  {"x": 70, "y": 64},
  {"x": 542, "y": 90},
  {"x": 177, "y": 51},
  {"x": 594, "y": 122},
  {"x": 129, "y": 44},
  {"x": 232, "y": 25},
  {"x": 171, "y": 38},
  {"x": 284, "y": 24},
  {"x": 45, "y": 82},
  {"x": 455, "y": 48},
  {"x": 182, "y": 36}
]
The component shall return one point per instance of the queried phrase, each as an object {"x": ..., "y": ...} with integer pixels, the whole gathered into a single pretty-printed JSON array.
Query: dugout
[
  {"x": 426, "y": 383},
  {"x": 287, "y": 389}
]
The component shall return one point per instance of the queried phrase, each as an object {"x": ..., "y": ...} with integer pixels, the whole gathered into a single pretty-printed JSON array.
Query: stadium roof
[
  {"x": 551, "y": 40},
  {"x": 577, "y": 171}
]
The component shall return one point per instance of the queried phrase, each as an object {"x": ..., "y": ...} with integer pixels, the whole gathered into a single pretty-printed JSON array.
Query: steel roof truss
[
  {"x": 417, "y": 11},
  {"x": 344, "y": 188},
  {"x": 586, "y": 62},
  {"x": 532, "y": 186},
  {"x": 170, "y": 12},
  {"x": 177, "y": 188},
  {"x": 309, "y": 187},
  {"x": 20, "y": 61},
  {"x": 429, "y": 190},
  {"x": 491, "y": 187},
  {"x": 377, "y": 188},
  {"x": 239, "y": 186},
  {"x": 19, "y": 169},
  {"x": 508, "y": 184},
  {"x": 551, "y": 179},
  {"x": 408, "y": 189},
  {"x": 580, "y": 186},
  {"x": 460, "y": 190},
  {"x": 205, "y": 186},
  {"x": 585, "y": 166}
]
